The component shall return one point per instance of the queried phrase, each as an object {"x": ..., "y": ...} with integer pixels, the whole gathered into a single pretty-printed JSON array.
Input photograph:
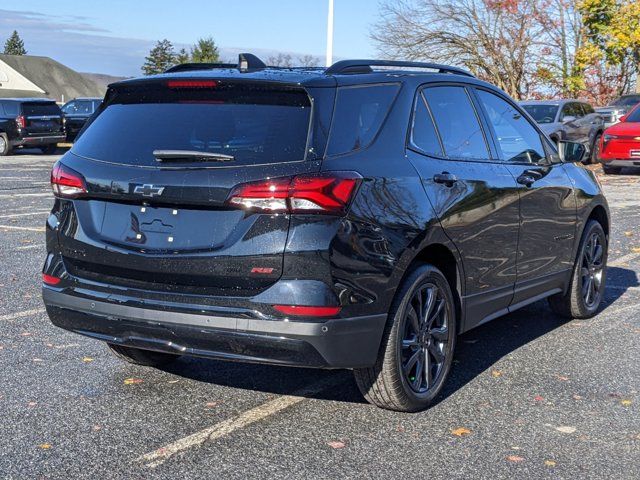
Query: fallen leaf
[
  {"x": 173, "y": 381},
  {"x": 336, "y": 444},
  {"x": 562, "y": 378},
  {"x": 45, "y": 446},
  {"x": 211, "y": 404},
  {"x": 635, "y": 249},
  {"x": 460, "y": 432},
  {"x": 550, "y": 463},
  {"x": 87, "y": 359},
  {"x": 538, "y": 398},
  {"x": 496, "y": 373},
  {"x": 132, "y": 381},
  {"x": 515, "y": 458},
  {"x": 38, "y": 360},
  {"x": 628, "y": 234},
  {"x": 626, "y": 402},
  {"x": 25, "y": 334},
  {"x": 32, "y": 404},
  {"x": 577, "y": 397},
  {"x": 566, "y": 429},
  {"x": 96, "y": 428}
]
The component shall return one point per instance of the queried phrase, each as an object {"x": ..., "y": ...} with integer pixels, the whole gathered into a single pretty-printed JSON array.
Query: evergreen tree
[
  {"x": 205, "y": 51},
  {"x": 160, "y": 58},
  {"x": 14, "y": 45},
  {"x": 182, "y": 57}
]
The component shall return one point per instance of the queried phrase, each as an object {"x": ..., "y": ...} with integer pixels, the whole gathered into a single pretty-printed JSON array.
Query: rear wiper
[{"x": 190, "y": 156}]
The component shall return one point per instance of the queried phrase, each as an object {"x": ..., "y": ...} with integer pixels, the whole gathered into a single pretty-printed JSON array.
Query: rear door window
[
  {"x": 423, "y": 132},
  {"x": 254, "y": 125},
  {"x": 359, "y": 113},
  {"x": 457, "y": 123},
  {"x": 11, "y": 109}
]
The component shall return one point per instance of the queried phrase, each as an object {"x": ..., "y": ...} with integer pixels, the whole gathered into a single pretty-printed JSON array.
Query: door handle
[
  {"x": 526, "y": 179},
  {"x": 446, "y": 178}
]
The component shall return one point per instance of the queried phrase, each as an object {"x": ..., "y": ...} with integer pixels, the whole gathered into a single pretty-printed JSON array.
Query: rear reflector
[
  {"x": 50, "y": 279},
  {"x": 66, "y": 182},
  {"x": 192, "y": 84},
  {"x": 301, "y": 311},
  {"x": 328, "y": 193}
]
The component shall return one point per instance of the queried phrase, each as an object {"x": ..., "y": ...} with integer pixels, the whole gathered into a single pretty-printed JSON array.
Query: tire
[
  {"x": 611, "y": 170},
  {"x": 50, "y": 149},
  {"x": 388, "y": 384},
  {"x": 595, "y": 149},
  {"x": 589, "y": 268},
  {"x": 5, "y": 148},
  {"x": 145, "y": 358}
]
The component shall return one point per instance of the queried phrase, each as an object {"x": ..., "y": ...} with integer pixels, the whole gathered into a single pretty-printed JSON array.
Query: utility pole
[{"x": 329, "y": 61}]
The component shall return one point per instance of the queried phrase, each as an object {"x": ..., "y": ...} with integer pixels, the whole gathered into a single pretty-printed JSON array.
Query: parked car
[
  {"x": 353, "y": 217},
  {"x": 30, "y": 122},
  {"x": 621, "y": 143},
  {"x": 568, "y": 120},
  {"x": 76, "y": 113},
  {"x": 618, "y": 108}
]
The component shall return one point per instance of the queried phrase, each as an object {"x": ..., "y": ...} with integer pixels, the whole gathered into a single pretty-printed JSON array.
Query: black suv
[
  {"x": 30, "y": 122},
  {"x": 353, "y": 217},
  {"x": 76, "y": 113}
]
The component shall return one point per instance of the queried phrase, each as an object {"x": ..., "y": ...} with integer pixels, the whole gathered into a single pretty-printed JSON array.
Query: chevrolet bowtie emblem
[{"x": 148, "y": 190}]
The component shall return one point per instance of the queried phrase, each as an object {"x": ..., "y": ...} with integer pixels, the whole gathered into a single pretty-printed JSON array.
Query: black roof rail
[
  {"x": 246, "y": 63},
  {"x": 364, "y": 66}
]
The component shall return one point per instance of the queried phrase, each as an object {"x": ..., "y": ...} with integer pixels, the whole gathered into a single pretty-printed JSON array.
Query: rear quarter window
[
  {"x": 10, "y": 109},
  {"x": 39, "y": 108},
  {"x": 359, "y": 114}
]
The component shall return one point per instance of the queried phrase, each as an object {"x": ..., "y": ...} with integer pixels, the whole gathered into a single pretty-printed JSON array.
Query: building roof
[{"x": 50, "y": 78}]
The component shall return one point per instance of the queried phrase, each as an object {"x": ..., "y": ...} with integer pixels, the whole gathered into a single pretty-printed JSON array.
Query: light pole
[{"x": 329, "y": 61}]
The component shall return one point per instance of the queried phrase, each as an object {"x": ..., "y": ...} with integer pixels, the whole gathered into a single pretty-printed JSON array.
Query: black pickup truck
[{"x": 30, "y": 122}]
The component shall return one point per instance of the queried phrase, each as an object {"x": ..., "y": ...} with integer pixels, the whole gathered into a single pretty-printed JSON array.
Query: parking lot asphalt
[{"x": 530, "y": 395}]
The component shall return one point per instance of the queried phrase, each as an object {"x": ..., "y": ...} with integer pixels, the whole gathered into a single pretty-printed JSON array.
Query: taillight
[
  {"x": 328, "y": 193},
  {"x": 20, "y": 121},
  {"x": 66, "y": 182},
  {"x": 302, "y": 311},
  {"x": 50, "y": 279}
]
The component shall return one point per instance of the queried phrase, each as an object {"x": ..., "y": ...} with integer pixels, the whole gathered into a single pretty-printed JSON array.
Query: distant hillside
[{"x": 102, "y": 79}]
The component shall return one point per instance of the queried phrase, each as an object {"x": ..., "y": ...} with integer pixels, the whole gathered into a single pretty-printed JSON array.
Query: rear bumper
[
  {"x": 337, "y": 343},
  {"x": 630, "y": 163},
  {"x": 44, "y": 140}
]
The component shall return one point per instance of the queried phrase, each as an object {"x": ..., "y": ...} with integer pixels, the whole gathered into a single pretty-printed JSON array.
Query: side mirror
[
  {"x": 623, "y": 118},
  {"x": 568, "y": 119},
  {"x": 571, "y": 152}
]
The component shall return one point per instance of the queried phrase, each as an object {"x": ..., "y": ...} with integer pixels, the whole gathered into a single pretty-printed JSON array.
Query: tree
[
  {"x": 492, "y": 38},
  {"x": 205, "y": 51},
  {"x": 160, "y": 58},
  {"x": 182, "y": 57},
  {"x": 281, "y": 60},
  {"x": 14, "y": 45},
  {"x": 308, "y": 61}
]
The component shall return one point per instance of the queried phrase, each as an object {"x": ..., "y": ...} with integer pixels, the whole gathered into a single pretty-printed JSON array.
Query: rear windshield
[
  {"x": 34, "y": 109},
  {"x": 627, "y": 101},
  {"x": 255, "y": 125},
  {"x": 542, "y": 113}
]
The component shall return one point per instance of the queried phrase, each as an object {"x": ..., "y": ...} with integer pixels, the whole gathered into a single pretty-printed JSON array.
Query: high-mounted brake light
[
  {"x": 302, "y": 311},
  {"x": 66, "y": 182},
  {"x": 192, "y": 84},
  {"x": 21, "y": 122},
  {"x": 327, "y": 193},
  {"x": 50, "y": 279}
]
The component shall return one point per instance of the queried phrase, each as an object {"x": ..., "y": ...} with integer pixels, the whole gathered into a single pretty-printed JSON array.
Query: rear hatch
[
  {"x": 160, "y": 160},
  {"x": 41, "y": 118}
]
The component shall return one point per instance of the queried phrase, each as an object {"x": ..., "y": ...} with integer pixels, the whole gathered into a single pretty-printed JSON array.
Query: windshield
[
  {"x": 252, "y": 126},
  {"x": 634, "y": 116},
  {"x": 542, "y": 113},
  {"x": 627, "y": 101}
]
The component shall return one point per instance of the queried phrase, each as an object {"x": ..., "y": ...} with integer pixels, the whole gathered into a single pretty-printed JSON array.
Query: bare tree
[
  {"x": 280, "y": 60},
  {"x": 308, "y": 61},
  {"x": 495, "y": 39}
]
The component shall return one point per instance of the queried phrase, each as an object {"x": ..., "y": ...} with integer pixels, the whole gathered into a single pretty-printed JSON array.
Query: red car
[{"x": 620, "y": 144}]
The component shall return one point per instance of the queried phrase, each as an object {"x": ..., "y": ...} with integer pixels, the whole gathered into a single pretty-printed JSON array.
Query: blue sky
[{"x": 113, "y": 36}]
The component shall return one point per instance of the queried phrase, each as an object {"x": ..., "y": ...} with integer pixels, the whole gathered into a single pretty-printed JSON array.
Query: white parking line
[
  {"x": 226, "y": 427},
  {"x": 25, "y": 313},
  {"x": 28, "y": 229},
  {"x": 26, "y": 214},
  {"x": 30, "y": 247},
  {"x": 624, "y": 259},
  {"x": 16, "y": 195}
]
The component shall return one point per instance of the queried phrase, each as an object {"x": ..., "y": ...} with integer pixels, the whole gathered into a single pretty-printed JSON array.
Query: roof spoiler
[{"x": 247, "y": 62}]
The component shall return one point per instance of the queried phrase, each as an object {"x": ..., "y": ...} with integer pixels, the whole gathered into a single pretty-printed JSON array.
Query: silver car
[
  {"x": 571, "y": 120},
  {"x": 617, "y": 109}
]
